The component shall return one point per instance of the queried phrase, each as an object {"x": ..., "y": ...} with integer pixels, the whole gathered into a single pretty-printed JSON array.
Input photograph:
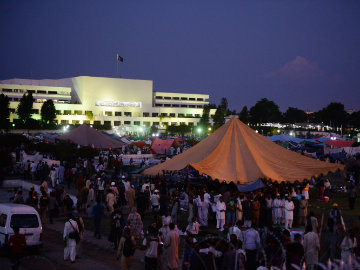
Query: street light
[
  {"x": 209, "y": 128},
  {"x": 199, "y": 130}
]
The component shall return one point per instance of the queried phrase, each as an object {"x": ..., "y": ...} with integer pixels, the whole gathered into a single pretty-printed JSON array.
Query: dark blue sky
[{"x": 301, "y": 53}]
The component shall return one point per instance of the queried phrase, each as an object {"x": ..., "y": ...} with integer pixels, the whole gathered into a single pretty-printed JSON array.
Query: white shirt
[
  {"x": 251, "y": 239},
  {"x": 68, "y": 229},
  {"x": 154, "y": 199},
  {"x": 219, "y": 207}
]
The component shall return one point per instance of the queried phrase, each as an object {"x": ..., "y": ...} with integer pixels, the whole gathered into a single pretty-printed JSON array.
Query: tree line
[{"x": 267, "y": 111}]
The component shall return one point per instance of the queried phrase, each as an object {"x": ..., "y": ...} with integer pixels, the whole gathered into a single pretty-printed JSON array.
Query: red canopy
[
  {"x": 163, "y": 144},
  {"x": 339, "y": 143},
  {"x": 142, "y": 144}
]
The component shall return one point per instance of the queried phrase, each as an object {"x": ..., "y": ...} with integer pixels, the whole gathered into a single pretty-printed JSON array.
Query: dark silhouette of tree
[
  {"x": 244, "y": 115},
  {"x": 333, "y": 114},
  {"x": 353, "y": 120},
  {"x": 265, "y": 111},
  {"x": 295, "y": 115},
  {"x": 48, "y": 112},
  {"x": 24, "y": 109},
  {"x": 4, "y": 111},
  {"x": 219, "y": 117}
]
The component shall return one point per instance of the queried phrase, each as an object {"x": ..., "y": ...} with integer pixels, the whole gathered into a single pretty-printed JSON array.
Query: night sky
[{"x": 302, "y": 54}]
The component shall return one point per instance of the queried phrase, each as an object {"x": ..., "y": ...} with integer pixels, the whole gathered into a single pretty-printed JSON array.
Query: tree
[
  {"x": 4, "y": 111},
  {"x": 244, "y": 115},
  {"x": 204, "y": 120},
  {"x": 219, "y": 117},
  {"x": 48, "y": 112},
  {"x": 354, "y": 120},
  {"x": 295, "y": 115},
  {"x": 334, "y": 114},
  {"x": 265, "y": 111},
  {"x": 25, "y": 107}
]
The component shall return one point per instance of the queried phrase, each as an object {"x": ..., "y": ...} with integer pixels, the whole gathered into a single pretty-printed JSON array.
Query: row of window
[
  {"x": 178, "y": 105},
  {"x": 129, "y": 114},
  {"x": 179, "y": 98},
  {"x": 49, "y": 92},
  {"x": 118, "y": 123},
  {"x": 40, "y": 100}
]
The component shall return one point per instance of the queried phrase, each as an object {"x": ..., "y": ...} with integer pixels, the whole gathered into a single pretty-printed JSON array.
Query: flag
[{"x": 119, "y": 58}]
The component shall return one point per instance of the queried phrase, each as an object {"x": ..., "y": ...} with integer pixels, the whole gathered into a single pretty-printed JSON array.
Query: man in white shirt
[
  {"x": 277, "y": 207},
  {"x": 289, "y": 215},
  {"x": 220, "y": 214},
  {"x": 251, "y": 244},
  {"x": 154, "y": 199},
  {"x": 70, "y": 247}
]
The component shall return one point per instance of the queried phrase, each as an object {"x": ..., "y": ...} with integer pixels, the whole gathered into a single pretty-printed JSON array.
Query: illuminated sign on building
[{"x": 117, "y": 104}]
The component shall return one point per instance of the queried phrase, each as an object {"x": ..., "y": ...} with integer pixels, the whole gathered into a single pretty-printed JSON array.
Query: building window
[
  {"x": 189, "y": 115},
  {"x": 191, "y": 106},
  {"x": 192, "y": 99},
  {"x": 200, "y": 99},
  {"x": 182, "y": 124},
  {"x": 117, "y": 123},
  {"x": 89, "y": 113},
  {"x": 155, "y": 123},
  {"x": 176, "y": 105},
  {"x": 31, "y": 91},
  {"x": 199, "y": 106},
  {"x": 58, "y": 112},
  {"x": 117, "y": 113},
  {"x": 172, "y": 114},
  {"x": 167, "y": 97},
  {"x": 7, "y": 90},
  {"x": 165, "y": 123},
  {"x": 107, "y": 113},
  {"x": 75, "y": 122},
  {"x": 64, "y": 122},
  {"x": 167, "y": 105},
  {"x": 76, "y": 112},
  {"x": 16, "y": 99},
  {"x": 18, "y": 91},
  {"x": 137, "y": 123},
  {"x": 97, "y": 122},
  {"x": 107, "y": 123},
  {"x": 173, "y": 123},
  {"x": 127, "y": 122},
  {"x": 175, "y": 98},
  {"x": 164, "y": 114},
  {"x": 41, "y": 91},
  {"x": 154, "y": 114},
  {"x": 197, "y": 115},
  {"x": 127, "y": 114},
  {"x": 52, "y": 92},
  {"x": 191, "y": 124},
  {"x": 158, "y": 105},
  {"x": 183, "y": 106},
  {"x": 159, "y": 97},
  {"x": 35, "y": 111},
  {"x": 86, "y": 122},
  {"x": 147, "y": 124},
  {"x": 180, "y": 115},
  {"x": 184, "y": 98},
  {"x": 146, "y": 114}
]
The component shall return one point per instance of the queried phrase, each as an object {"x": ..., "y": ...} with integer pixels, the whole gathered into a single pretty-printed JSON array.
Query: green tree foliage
[
  {"x": 333, "y": 114},
  {"x": 4, "y": 111},
  {"x": 204, "y": 121},
  {"x": 265, "y": 111},
  {"x": 179, "y": 130},
  {"x": 25, "y": 106},
  {"x": 295, "y": 115},
  {"x": 244, "y": 115},
  {"x": 219, "y": 117},
  {"x": 48, "y": 112}
]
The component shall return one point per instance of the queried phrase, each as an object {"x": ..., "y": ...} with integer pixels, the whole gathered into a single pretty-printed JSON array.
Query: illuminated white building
[{"x": 107, "y": 101}]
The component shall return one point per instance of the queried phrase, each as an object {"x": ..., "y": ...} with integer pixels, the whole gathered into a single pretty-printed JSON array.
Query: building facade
[{"x": 107, "y": 101}]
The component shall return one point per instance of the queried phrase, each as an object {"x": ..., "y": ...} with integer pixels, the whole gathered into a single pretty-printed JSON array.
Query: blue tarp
[
  {"x": 258, "y": 184},
  {"x": 284, "y": 138}
]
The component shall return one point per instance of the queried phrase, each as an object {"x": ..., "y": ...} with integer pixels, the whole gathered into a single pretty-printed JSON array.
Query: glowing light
[
  {"x": 141, "y": 129},
  {"x": 256, "y": 131},
  {"x": 209, "y": 128},
  {"x": 199, "y": 130},
  {"x": 278, "y": 131}
]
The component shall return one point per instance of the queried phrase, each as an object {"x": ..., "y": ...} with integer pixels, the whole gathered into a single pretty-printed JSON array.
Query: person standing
[
  {"x": 294, "y": 253},
  {"x": 220, "y": 214},
  {"x": 311, "y": 248},
  {"x": 152, "y": 245},
  {"x": 53, "y": 176},
  {"x": 230, "y": 211},
  {"x": 98, "y": 211},
  {"x": 172, "y": 240},
  {"x": 269, "y": 207},
  {"x": 303, "y": 210},
  {"x": 335, "y": 214},
  {"x": 239, "y": 210},
  {"x": 256, "y": 212},
  {"x": 251, "y": 245},
  {"x": 70, "y": 229},
  {"x": 130, "y": 194},
  {"x": 126, "y": 249},
  {"x": 135, "y": 223},
  {"x": 17, "y": 243},
  {"x": 110, "y": 201},
  {"x": 117, "y": 226},
  {"x": 289, "y": 215},
  {"x": 43, "y": 202},
  {"x": 352, "y": 196},
  {"x": 277, "y": 208},
  {"x": 347, "y": 248}
]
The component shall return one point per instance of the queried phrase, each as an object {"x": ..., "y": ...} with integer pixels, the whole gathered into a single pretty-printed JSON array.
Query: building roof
[{"x": 236, "y": 153}]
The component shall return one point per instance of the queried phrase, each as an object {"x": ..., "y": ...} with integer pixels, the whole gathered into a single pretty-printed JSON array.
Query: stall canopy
[
  {"x": 159, "y": 145},
  {"x": 85, "y": 135},
  {"x": 339, "y": 143},
  {"x": 236, "y": 153},
  {"x": 284, "y": 138}
]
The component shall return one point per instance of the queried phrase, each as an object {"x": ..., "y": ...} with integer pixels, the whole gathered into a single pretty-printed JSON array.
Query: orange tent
[
  {"x": 85, "y": 135},
  {"x": 235, "y": 152}
]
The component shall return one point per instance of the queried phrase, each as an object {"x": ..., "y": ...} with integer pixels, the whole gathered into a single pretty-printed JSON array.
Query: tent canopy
[
  {"x": 236, "y": 153},
  {"x": 85, "y": 135},
  {"x": 162, "y": 144},
  {"x": 284, "y": 138},
  {"x": 339, "y": 143}
]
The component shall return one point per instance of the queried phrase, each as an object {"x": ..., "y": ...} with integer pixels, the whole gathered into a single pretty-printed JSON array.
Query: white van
[{"x": 23, "y": 216}]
